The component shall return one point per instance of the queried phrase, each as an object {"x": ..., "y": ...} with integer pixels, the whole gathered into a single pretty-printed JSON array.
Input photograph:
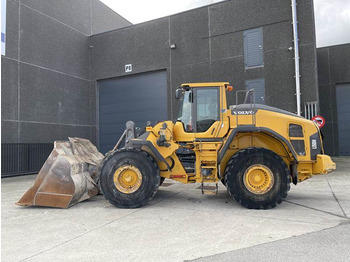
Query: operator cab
[
  {"x": 199, "y": 113},
  {"x": 199, "y": 108}
]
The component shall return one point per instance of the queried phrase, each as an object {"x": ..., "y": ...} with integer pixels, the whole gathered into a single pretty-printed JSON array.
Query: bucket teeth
[{"x": 67, "y": 177}]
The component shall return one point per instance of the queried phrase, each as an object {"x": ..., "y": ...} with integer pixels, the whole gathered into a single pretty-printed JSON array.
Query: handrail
[{"x": 249, "y": 97}]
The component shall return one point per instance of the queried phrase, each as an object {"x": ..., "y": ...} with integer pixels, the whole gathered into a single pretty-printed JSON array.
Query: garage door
[
  {"x": 343, "y": 109},
  {"x": 139, "y": 98}
]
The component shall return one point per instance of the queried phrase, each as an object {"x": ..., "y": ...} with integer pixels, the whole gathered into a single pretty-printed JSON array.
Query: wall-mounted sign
[
  {"x": 319, "y": 120},
  {"x": 128, "y": 68}
]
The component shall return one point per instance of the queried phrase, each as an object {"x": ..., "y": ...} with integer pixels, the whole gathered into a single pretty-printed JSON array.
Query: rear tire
[
  {"x": 142, "y": 165},
  {"x": 271, "y": 173}
]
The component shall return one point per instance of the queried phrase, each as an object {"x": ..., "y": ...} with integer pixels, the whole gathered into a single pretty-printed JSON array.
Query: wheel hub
[
  {"x": 127, "y": 179},
  {"x": 258, "y": 179}
]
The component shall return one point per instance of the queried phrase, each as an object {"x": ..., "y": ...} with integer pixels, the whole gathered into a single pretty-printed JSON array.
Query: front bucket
[{"x": 68, "y": 176}]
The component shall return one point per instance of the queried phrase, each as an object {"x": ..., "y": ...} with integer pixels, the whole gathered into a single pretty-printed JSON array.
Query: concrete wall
[
  {"x": 209, "y": 47},
  {"x": 333, "y": 68},
  {"x": 51, "y": 64},
  {"x": 45, "y": 89}
]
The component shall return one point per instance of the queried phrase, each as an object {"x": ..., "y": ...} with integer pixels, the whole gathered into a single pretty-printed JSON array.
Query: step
[{"x": 209, "y": 190}]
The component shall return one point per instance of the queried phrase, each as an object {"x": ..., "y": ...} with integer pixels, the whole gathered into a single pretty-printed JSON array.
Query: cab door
[
  {"x": 200, "y": 115},
  {"x": 210, "y": 122},
  {"x": 184, "y": 129}
]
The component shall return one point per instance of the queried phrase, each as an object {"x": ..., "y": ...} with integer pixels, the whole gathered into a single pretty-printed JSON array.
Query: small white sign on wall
[{"x": 128, "y": 68}]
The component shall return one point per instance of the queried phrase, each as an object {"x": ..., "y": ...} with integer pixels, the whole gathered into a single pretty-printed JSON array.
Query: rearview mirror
[
  {"x": 178, "y": 93},
  {"x": 190, "y": 97}
]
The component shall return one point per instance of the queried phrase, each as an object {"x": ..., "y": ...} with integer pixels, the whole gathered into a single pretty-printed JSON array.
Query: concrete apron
[{"x": 178, "y": 224}]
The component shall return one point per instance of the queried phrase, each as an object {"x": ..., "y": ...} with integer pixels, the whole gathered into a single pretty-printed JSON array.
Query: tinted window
[{"x": 207, "y": 108}]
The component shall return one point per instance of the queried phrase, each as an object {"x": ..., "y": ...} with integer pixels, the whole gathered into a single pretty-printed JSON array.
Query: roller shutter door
[
  {"x": 343, "y": 110},
  {"x": 140, "y": 98}
]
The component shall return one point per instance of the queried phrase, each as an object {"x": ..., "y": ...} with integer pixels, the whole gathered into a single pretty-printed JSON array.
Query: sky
[{"x": 332, "y": 17}]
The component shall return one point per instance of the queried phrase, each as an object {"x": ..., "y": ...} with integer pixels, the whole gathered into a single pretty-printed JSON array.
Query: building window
[
  {"x": 259, "y": 89},
  {"x": 253, "y": 48}
]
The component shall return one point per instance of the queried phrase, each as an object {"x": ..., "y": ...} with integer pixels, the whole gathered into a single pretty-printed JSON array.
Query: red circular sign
[{"x": 319, "y": 120}]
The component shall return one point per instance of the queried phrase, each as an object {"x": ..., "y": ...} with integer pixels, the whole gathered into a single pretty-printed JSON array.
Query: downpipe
[{"x": 296, "y": 54}]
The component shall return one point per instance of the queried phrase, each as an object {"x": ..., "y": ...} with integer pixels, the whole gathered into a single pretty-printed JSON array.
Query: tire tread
[
  {"x": 112, "y": 154},
  {"x": 229, "y": 174}
]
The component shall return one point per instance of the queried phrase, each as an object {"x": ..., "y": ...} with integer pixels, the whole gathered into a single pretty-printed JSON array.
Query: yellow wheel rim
[
  {"x": 258, "y": 179},
  {"x": 127, "y": 179}
]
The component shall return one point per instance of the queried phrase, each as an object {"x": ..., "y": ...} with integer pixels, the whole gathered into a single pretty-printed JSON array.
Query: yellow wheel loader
[{"x": 255, "y": 150}]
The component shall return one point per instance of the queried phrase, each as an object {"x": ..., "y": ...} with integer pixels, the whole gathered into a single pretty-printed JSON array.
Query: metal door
[
  {"x": 343, "y": 110},
  {"x": 259, "y": 89},
  {"x": 253, "y": 47}
]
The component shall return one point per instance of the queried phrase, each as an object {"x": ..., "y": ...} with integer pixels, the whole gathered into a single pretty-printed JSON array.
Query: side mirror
[
  {"x": 190, "y": 97},
  {"x": 178, "y": 93}
]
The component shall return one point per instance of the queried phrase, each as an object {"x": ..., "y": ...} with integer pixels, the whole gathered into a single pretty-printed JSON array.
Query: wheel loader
[{"x": 255, "y": 150}]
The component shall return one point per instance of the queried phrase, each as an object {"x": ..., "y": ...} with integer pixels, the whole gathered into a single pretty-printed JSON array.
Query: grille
[
  {"x": 295, "y": 130},
  {"x": 299, "y": 147}
]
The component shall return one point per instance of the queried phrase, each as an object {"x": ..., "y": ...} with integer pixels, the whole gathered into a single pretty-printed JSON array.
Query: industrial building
[
  {"x": 334, "y": 89},
  {"x": 77, "y": 68}
]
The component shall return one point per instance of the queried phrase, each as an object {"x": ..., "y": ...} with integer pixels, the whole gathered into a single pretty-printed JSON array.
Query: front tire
[
  {"x": 129, "y": 178},
  {"x": 257, "y": 178}
]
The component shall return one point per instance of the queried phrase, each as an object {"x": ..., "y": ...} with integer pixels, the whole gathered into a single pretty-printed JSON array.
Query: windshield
[{"x": 185, "y": 112}]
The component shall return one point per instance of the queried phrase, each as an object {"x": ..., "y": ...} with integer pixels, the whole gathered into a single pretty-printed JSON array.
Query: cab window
[
  {"x": 207, "y": 109},
  {"x": 185, "y": 112}
]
